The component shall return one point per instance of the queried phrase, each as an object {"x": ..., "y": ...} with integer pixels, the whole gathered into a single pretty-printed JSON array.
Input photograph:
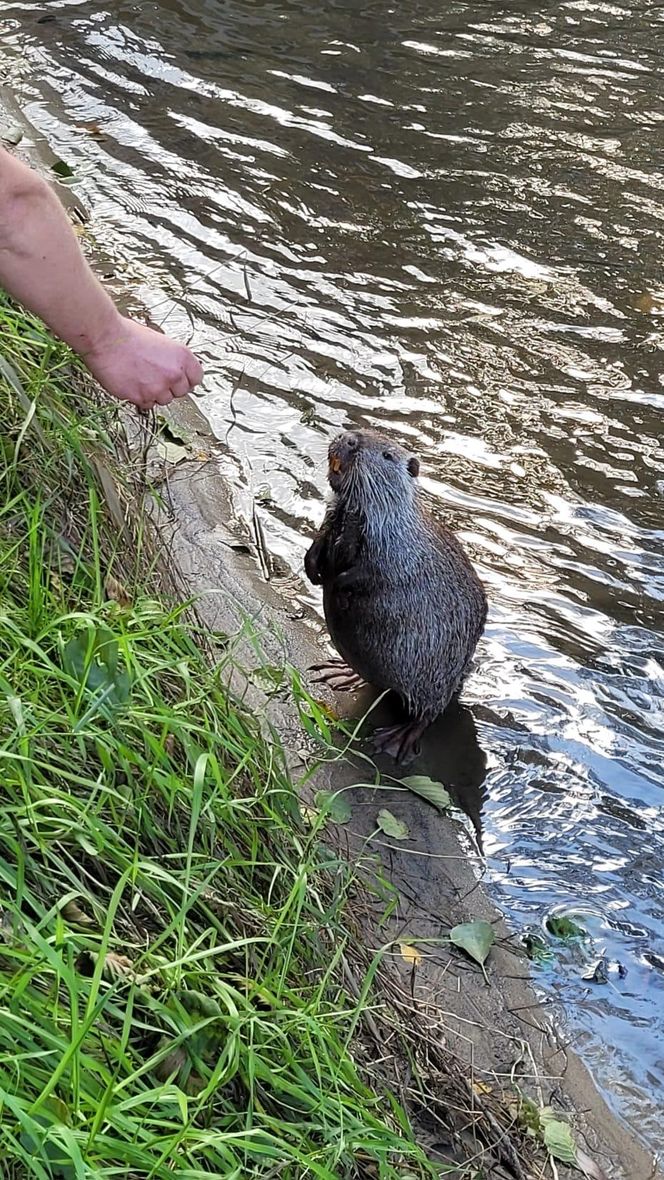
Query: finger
[
  {"x": 194, "y": 370},
  {"x": 181, "y": 386},
  {"x": 163, "y": 397}
]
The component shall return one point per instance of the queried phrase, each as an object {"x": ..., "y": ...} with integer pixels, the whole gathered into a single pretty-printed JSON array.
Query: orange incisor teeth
[{"x": 335, "y": 466}]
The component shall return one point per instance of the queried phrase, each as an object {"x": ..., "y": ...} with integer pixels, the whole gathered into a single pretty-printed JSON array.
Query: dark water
[{"x": 446, "y": 219}]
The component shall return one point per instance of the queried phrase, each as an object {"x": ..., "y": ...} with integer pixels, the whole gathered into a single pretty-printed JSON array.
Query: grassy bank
[{"x": 171, "y": 935}]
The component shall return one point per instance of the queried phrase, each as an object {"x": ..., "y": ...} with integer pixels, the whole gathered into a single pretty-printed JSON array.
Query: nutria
[{"x": 404, "y": 606}]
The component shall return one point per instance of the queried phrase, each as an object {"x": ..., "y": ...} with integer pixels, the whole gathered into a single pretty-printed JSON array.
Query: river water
[{"x": 445, "y": 220}]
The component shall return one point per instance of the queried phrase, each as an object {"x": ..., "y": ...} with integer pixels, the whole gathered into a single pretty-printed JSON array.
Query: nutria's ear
[{"x": 413, "y": 467}]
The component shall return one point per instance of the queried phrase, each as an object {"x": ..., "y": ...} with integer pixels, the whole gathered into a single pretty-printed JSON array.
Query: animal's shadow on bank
[{"x": 450, "y": 752}]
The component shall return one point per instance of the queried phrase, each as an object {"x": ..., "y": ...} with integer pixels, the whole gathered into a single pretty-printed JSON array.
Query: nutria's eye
[{"x": 388, "y": 455}]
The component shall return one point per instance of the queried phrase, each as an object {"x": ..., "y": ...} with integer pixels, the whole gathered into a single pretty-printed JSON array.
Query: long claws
[
  {"x": 338, "y": 676},
  {"x": 401, "y": 742}
]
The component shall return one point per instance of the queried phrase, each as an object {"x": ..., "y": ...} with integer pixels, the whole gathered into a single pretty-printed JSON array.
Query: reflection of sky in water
[{"x": 448, "y": 223}]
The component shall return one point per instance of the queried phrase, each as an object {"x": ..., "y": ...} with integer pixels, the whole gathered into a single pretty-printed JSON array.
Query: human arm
[{"x": 42, "y": 266}]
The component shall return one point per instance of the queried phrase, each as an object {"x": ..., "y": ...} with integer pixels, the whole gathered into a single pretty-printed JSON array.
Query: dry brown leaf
[
  {"x": 171, "y": 1064},
  {"x": 117, "y": 592},
  {"x": 589, "y": 1167},
  {"x": 118, "y": 967},
  {"x": 410, "y": 954},
  {"x": 194, "y": 1084},
  {"x": 110, "y": 492},
  {"x": 649, "y": 301},
  {"x": 72, "y": 913},
  {"x": 93, "y": 130},
  {"x": 327, "y": 710}
]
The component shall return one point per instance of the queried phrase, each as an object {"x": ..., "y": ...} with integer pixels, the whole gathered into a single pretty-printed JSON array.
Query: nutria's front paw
[
  {"x": 312, "y": 563},
  {"x": 348, "y": 580}
]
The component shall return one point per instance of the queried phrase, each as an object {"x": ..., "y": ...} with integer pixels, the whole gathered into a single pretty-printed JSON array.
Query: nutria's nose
[
  {"x": 342, "y": 451},
  {"x": 349, "y": 443}
]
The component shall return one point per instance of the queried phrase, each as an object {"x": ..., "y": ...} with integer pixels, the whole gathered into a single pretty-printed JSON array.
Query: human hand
[{"x": 136, "y": 364}]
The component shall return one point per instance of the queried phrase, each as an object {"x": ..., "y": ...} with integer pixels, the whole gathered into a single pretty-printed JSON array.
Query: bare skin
[{"x": 42, "y": 266}]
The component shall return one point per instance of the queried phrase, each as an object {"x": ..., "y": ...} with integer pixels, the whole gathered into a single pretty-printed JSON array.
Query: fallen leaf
[
  {"x": 475, "y": 938},
  {"x": 410, "y": 954},
  {"x": 649, "y": 301},
  {"x": 536, "y": 947},
  {"x": 433, "y": 792},
  {"x": 63, "y": 170},
  {"x": 12, "y": 134},
  {"x": 92, "y": 658},
  {"x": 564, "y": 928},
  {"x": 169, "y": 744},
  {"x": 309, "y": 814},
  {"x": 335, "y": 805},
  {"x": 237, "y": 546},
  {"x": 110, "y": 491},
  {"x": 171, "y": 452},
  {"x": 599, "y": 973},
  {"x": 326, "y": 710},
  {"x": 171, "y": 1064},
  {"x": 589, "y": 1167},
  {"x": 72, "y": 913},
  {"x": 116, "y": 591},
  {"x": 93, "y": 130},
  {"x": 118, "y": 966},
  {"x": 559, "y": 1142},
  {"x": 392, "y": 826}
]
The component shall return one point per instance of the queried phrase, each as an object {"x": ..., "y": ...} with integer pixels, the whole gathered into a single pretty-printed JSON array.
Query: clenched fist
[{"x": 139, "y": 365}]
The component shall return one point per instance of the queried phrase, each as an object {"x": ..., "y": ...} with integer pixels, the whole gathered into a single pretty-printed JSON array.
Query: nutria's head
[{"x": 371, "y": 471}]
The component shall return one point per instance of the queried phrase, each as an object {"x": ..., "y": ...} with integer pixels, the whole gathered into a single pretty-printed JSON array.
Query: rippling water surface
[{"x": 446, "y": 220}]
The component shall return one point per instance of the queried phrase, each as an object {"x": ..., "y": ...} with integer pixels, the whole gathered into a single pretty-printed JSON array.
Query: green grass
[{"x": 171, "y": 933}]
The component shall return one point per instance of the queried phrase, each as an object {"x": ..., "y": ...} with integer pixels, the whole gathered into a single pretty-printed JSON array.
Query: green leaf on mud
[
  {"x": 392, "y": 826},
  {"x": 434, "y": 793},
  {"x": 335, "y": 805},
  {"x": 475, "y": 938},
  {"x": 558, "y": 1138}
]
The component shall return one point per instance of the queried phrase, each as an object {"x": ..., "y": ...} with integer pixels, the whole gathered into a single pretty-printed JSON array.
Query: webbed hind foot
[
  {"x": 401, "y": 742},
  {"x": 338, "y": 676}
]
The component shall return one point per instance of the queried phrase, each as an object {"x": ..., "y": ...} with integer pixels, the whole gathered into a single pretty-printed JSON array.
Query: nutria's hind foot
[
  {"x": 338, "y": 676},
  {"x": 401, "y": 742}
]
